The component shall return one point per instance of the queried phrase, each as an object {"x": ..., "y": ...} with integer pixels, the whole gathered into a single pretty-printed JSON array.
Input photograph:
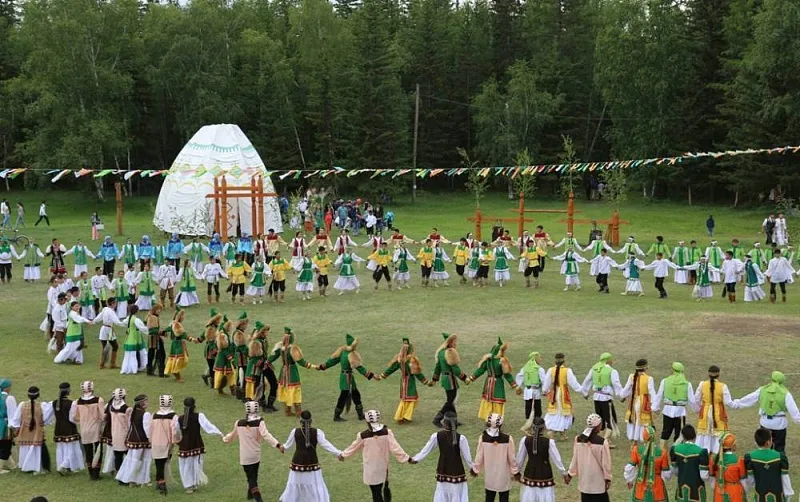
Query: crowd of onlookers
[{"x": 313, "y": 212}]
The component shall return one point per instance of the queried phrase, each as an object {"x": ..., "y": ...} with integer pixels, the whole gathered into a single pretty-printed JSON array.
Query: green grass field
[{"x": 748, "y": 341}]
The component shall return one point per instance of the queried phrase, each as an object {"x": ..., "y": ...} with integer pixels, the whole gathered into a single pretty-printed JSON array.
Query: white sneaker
[
  {"x": 260, "y": 300},
  {"x": 566, "y": 289},
  {"x": 254, "y": 301}
]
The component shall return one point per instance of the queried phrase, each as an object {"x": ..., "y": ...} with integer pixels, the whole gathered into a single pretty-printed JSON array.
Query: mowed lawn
[{"x": 747, "y": 341}]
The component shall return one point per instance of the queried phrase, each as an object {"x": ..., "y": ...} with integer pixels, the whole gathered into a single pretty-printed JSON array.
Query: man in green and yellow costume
[
  {"x": 448, "y": 371},
  {"x": 290, "y": 354},
  {"x": 410, "y": 371}
]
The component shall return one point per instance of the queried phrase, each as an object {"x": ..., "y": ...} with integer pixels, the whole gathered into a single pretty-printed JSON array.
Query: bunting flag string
[{"x": 512, "y": 172}]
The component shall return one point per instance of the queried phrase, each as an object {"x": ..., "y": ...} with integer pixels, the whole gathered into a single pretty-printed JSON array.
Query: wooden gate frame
[{"x": 223, "y": 191}]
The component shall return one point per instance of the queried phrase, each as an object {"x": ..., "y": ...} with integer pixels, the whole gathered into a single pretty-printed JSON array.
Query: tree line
[{"x": 122, "y": 84}]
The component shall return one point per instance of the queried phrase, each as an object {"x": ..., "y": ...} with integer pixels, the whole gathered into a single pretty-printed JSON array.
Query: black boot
[
  {"x": 360, "y": 412},
  {"x": 437, "y": 420},
  {"x": 162, "y": 487},
  {"x": 337, "y": 415},
  {"x": 151, "y": 355},
  {"x": 270, "y": 405}
]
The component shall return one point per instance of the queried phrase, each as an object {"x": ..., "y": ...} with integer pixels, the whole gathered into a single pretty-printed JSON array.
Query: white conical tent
[{"x": 215, "y": 151}]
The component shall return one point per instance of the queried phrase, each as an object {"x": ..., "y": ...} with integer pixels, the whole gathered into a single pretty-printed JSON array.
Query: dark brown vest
[
  {"x": 137, "y": 439},
  {"x": 191, "y": 443},
  {"x": 64, "y": 431},
  {"x": 538, "y": 472},
  {"x": 450, "y": 468},
  {"x": 305, "y": 457}
]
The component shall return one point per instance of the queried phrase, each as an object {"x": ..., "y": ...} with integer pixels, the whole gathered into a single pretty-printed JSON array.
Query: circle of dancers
[{"x": 123, "y": 438}]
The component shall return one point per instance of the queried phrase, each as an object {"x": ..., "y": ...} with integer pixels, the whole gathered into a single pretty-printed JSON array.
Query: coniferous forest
[{"x": 122, "y": 84}]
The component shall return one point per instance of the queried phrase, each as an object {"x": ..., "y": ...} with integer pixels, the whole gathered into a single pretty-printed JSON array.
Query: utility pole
[{"x": 414, "y": 153}]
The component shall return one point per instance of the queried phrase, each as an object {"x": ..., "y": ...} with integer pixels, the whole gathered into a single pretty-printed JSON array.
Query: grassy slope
[{"x": 581, "y": 324}]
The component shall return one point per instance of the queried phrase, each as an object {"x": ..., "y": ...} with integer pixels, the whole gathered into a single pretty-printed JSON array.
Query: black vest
[
  {"x": 450, "y": 468},
  {"x": 538, "y": 472},
  {"x": 191, "y": 443},
  {"x": 369, "y": 433},
  {"x": 64, "y": 431},
  {"x": 137, "y": 439},
  {"x": 305, "y": 457}
]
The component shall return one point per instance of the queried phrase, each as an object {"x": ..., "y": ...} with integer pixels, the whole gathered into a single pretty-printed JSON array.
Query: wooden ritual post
[
  {"x": 613, "y": 228},
  {"x": 118, "y": 190},
  {"x": 478, "y": 219},
  {"x": 570, "y": 212}
]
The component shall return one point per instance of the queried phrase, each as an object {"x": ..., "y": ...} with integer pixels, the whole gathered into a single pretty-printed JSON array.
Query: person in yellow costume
[
  {"x": 713, "y": 397},
  {"x": 496, "y": 367},
  {"x": 642, "y": 393},
  {"x": 237, "y": 274},
  {"x": 461, "y": 258},
  {"x": 531, "y": 257},
  {"x": 556, "y": 387},
  {"x": 279, "y": 267},
  {"x": 425, "y": 257},
  {"x": 382, "y": 258},
  {"x": 322, "y": 263}
]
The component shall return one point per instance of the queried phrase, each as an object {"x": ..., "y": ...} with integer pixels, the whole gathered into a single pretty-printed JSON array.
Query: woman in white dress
[
  {"x": 135, "y": 469},
  {"x": 451, "y": 479},
  {"x": 347, "y": 280},
  {"x": 558, "y": 380},
  {"x": 537, "y": 480},
  {"x": 641, "y": 390},
  {"x": 28, "y": 422},
  {"x": 135, "y": 359},
  {"x": 781, "y": 234},
  {"x": 753, "y": 279},
  {"x": 305, "y": 482}
]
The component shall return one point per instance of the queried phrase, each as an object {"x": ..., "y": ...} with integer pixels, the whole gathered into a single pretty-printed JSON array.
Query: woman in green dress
[
  {"x": 401, "y": 257},
  {"x": 178, "y": 355},
  {"x": 305, "y": 279},
  {"x": 188, "y": 287},
  {"x": 439, "y": 258},
  {"x": 258, "y": 280},
  {"x": 347, "y": 280}
]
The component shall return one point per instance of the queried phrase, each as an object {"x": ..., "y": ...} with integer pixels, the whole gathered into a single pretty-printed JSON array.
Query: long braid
[
  {"x": 559, "y": 363},
  {"x": 32, "y": 424},
  {"x": 711, "y": 383},
  {"x": 633, "y": 396}
]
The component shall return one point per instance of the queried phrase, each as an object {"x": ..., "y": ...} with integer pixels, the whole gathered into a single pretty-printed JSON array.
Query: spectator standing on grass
[
  {"x": 710, "y": 224},
  {"x": 5, "y": 212},
  {"x": 370, "y": 223},
  {"x": 20, "y": 215},
  {"x": 42, "y": 214},
  {"x": 768, "y": 227},
  {"x": 95, "y": 220}
]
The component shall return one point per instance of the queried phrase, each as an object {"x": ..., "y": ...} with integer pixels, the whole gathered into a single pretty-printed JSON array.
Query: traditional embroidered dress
[
  {"x": 33, "y": 454},
  {"x": 702, "y": 288},
  {"x": 496, "y": 367},
  {"x": 86, "y": 298},
  {"x": 474, "y": 262},
  {"x": 120, "y": 288},
  {"x": 439, "y": 258},
  {"x": 559, "y": 400},
  {"x": 407, "y": 362},
  {"x": 115, "y": 432},
  {"x": 188, "y": 288},
  {"x": 178, "y": 353},
  {"x": 715, "y": 256},
  {"x": 89, "y": 414},
  {"x": 74, "y": 341},
  {"x": 632, "y": 268},
  {"x": 495, "y": 457},
  {"x": 229, "y": 252},
  {"x": 128, "y": 254},
  {"x": 501, "y": 268},
  {"x": 728, "y": 473},
  {"x": 401, "y": 258},
  {"x": 348, "y": 360},
  {"x": 451, "y": 479},
  {"x": 32, "y": 256},
  {"x": 69, "y": 456},
  {"x": 753, "y": 279},
  {"x": 305, "y": 483},
  {"x": 689, "y": 465},
  {"x": 347, "y": 280},
  {"x": 376, "y": 443},
  {"x": 713, "y": 419},
  {"x": 449, "y": 372},
  {"x": 146, "y": 285},
  {"x": 191, "y": 448},
  {"x": 135, "y": 468},
  {"x": 680, "y": 257},
  {"x": 258, "y": 279},
  {"x": 647, "y": 469},
  {"x": 542, "y": 454},
  {"x": 768, "y": 474},
  {"x": 298, "y": 248},
  {"x": 569, "y": 269},
  {"x": 135, "y": 359},
  {"x": 81, "y": 253},
  {"x": 642, "y": 393},
  {"x": 343, "y": 242},
  {"x": 305, "y": 279},
  {"x": 56, "y": 252}
]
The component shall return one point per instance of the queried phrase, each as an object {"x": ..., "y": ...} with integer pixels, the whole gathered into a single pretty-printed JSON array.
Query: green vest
[
  {"x": 598, "y": 245},
  {"x": 633, "y": 270},
  {"x": 80, "y": 255},
  {"x": 122, "y": 290},
  {"x": 147, "y": 284},
  {"x": 601, "y": 377},
  {"x": 195, "y": 252},
  {"x": 772, "y": 399},
  {"x": 680, "y": 256},
  {"x": 676, "y": 391},
  {"x": 702, "y": 275},
  {"x": 531, "y": 375},
  {"x": 158, "y": 255},
  {"x": 74, "y": 330},
  {"x": 128, "y": 254},
  {"x": 32, "y": 258},
  {"x": 403, "y": 259},
  {"x": 694, "y": 255}
]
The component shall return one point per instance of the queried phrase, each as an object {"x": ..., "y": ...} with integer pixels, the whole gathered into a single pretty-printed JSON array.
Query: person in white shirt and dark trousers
[
  {"x": 603, "y": 264},
  {"x": 660, "y": 268},
  {"x": 775, "y": 404},
  {"x": 731, "y": 269},
  {"x": 779, "y": 271},
  {"x": 42, "y": 214}
]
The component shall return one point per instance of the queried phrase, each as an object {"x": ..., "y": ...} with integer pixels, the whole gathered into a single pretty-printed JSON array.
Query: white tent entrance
[
  {"x": 231, "y": 203},
  {"x": 216, "y": 153}
]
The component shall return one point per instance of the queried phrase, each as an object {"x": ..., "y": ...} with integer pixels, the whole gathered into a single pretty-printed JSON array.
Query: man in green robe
[
  {"x": 447, "y": 370},
  {"x": 690, "y": 464},
  {"x": 348, "y": 360},
  {"x": 768, "y": 470}
]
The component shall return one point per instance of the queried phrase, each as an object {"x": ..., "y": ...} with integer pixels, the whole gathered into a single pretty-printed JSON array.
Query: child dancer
[
  {"x": 188, "y": 287},
  {"x": 660, "y": 268},
  {"x": 570, "y": 269},
  {"x": 258, "y": 280},
  {"x": 402, "y": 273},
  {"x": 501, "y": 269},
  {"x": 703, "y": 270},
  {"x": 305, "y": 279},
  {"x": 321, "y": 264},
  {"x": 212, "y": 271},
  {"x": 347, "y": 280},
  {"x": 439, "y": 259}
]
